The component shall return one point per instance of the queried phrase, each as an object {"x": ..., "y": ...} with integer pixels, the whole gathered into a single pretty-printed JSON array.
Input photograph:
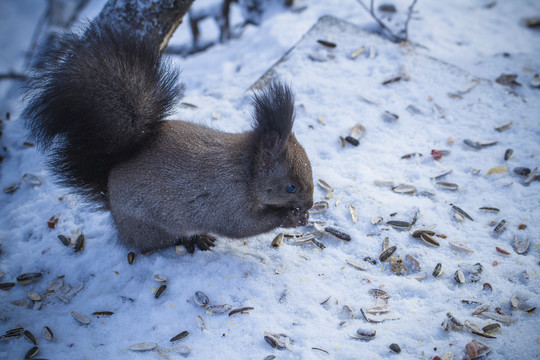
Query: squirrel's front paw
[
  {"x": 295, "y": 218},
  {"x": 202, "y": 241}
]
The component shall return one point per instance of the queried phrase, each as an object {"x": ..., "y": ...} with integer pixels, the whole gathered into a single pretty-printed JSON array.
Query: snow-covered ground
[{"x": 298, "y": 289}]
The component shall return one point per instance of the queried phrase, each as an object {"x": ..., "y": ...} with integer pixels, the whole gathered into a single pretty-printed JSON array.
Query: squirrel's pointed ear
[{"x": 273, "y": 114}]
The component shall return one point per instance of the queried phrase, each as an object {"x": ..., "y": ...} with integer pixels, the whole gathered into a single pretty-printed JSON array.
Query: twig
[{"x": 393, "y": 37}]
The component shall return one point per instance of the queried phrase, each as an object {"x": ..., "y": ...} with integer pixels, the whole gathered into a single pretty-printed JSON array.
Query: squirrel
[{"x": 96, "y": 106}]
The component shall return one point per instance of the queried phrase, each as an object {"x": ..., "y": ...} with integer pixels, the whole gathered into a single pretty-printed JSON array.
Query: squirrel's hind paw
[{"x": 202, "y": 241}]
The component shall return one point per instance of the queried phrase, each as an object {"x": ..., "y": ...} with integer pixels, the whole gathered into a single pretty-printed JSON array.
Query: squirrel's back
[{"x": 95, "y": 100}]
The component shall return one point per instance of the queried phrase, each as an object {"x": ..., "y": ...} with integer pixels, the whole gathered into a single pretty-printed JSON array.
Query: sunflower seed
[
  {"x": 468, "y": 87},
  {"x": 352, "y": 141},
  {"x": 65, "y": 240},
  {"x": 508, "y": 154},
  {"x": 6, "y": 286},
  {"x": 79, "y": 243},
  {"x": 160, "y": 291},
  {"x": 102, "y": 313},
  {"x": 338, "y": 233},
  {"x": 357, "y": 132},
  {"x": 325, "y": 185},
  {"x": 32, "y": 179},
  {"x": 504, "y": 127},
  {"x": 180, "y": 336},
  {"x": 531, "y": 177},
  {"x": 395, "y": 348},
  {"x": 31, "y": 353},
  {"x": 354, "y": 216},
  {"x": 131, "y": 257},
  {"x": 357, "y": 52},
  {"x": 437, "y": 271},
  {"x": 472, "y": 144},
  {"x": 327, "y": 44},
  {"x": 489, "y": 209},
  {"x": 387, "y": 253},
  {"x": 459, "y": 277},
  {"x": 491, "y": 328},
  {"x": 459, "y": 246},
  {"x": 201, "y": 299},
  {"x": 160, "y": 278},
  {"x": 364, "y": 334},
  {"x": 460, "y": 211},
  {"x": 500, "y": 226},
  {"x": 28, "y": 278},
  {"x": 240, "y": 310},
  {"x": 278, "y": 341},
  {"x": 34, "y": 296},
  {"x": 278, "y": 240},
  {"x": 396, "y": 224},
  {"x": 428, "y": 239},
  {"x": 11, "y": 188},
  {"x": 30, "y": 337},
  {"x": 447, "y": 185}
]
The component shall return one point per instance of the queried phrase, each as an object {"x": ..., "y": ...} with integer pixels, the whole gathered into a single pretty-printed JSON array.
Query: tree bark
[{"x": 157, "y": 19}]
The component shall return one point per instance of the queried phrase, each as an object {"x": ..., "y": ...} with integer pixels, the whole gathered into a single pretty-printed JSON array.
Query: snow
[{"x": 454, "y": 43}]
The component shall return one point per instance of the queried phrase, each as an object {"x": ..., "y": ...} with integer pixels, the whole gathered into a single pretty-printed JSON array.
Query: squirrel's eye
[{"x": 291, "y": 188}]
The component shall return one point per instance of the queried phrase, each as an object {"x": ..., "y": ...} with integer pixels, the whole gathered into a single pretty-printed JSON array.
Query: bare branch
[
  {"x": 12, "y": 76},
  {"x": 393, "y": 37}
]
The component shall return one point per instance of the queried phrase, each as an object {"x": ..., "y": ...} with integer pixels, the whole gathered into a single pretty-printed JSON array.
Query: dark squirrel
[{"x": 97, "y": 105}]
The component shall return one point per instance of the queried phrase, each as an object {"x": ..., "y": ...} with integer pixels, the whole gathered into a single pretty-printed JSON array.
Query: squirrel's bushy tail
[{"x": 95, "y": 100}]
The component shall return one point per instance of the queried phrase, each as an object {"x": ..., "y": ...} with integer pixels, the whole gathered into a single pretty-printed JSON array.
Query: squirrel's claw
[{"x": 203, "y": 242}]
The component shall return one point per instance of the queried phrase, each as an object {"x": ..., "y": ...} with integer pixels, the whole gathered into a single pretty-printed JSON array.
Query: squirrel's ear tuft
[{"x": 273, "y": 114}]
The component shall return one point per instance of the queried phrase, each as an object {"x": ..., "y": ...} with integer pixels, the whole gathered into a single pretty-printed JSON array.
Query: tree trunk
[{"x": 156, "y": 19}]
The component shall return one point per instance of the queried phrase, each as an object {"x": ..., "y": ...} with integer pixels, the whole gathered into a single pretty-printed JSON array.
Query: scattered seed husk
[
  {"x": 356, "y": 265},
  {"x": 241, "y": 310},
  {"x": 80, "y": 242},
  {"x": 437, "y": 271},
  {"x": 357, "y": 52},
  {"x": 461, "y": 212},
  {"x": 12, "y": 188},
  {"x": 489, "y": 209},
  {"x": 491, "y": 328},
  {"x": 439, "y": 111},
  {"x": 354, "y": 216},
  {"x": 521, "y": 247},
  {"x": 447, "y": 185},
  {"x": 34, "y": 296},
  {"x": 180, "y": 336},
  {"x": 144, "y": 346},
  {"x": 460, "y": 247},
  {"x": 372, "y": 52},
  {"x": 65, "y": 240},
  {"x": 504, "y": 127},
  {"x": 32, "y": 179},
  {"x": 6, "y": 286},
  {"x": 501, "y": 226},
  {"x": 340, "y": 234},
  {"x": 357, "y": 132},
  {"x": 83, "y": 319},
  {"x": 53, "y": 221},
  {"x": 497, "y": 317},
  {"x": 522, "y": 171},
  {"x": 364, "y": 334},
  {"x": 377, "y": 318},
  {"x": 379, "y": 309},
  {"x": 514, "y": 301},
  {"x": 404, "y": 189},
  {"x": 218, "y": 308},
  {"x": 304, "y": 238},
  {"x": 395, "y": 348},
  {"x": 352, "y": 141},
  {"x": 30, "y": 337},
  {"x": 459, "y": 277},
  {"x": 278, "y": 341},
  {"x": 327, "y": 44},
  {"x": 508, "y": 154},
  {"x": 387, "y": 115},
  {"x": 472, "y": 144},
  {"x": 507, "y": 80},
  {"x": 161, "y": 278},
  {"x": 468, "y": 87},
  {"x": 417, "y": 276},
  {"x": 201, "y": 299},
  {"x": 31, "y": 353},
  {"x": 535, "y": 81},
  {"x": 27, "y": 278},
  {"x": 131, "y": 257},
  {"x": 160, "y": 291},
  {"x": 319, "y": 207},
  {"x": 416, "y": 234},
  {"x": 47, "y": 333},
  {"x": 278, "y": 240},
  {"x": 502, "y": 251},
  {"x": 325, "y": 185},
  {"x": 379, "y": 293},
  {"x": 498, "y": 170},
  {"x": 293, "y": 234},
  {"x": 386, "y": 243},
  {"x": 387, "y": 253},
  {"x": 428, "y": 239},
  {"x": 531, "y": 176},
  {"x": 397, "y": 224}
]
